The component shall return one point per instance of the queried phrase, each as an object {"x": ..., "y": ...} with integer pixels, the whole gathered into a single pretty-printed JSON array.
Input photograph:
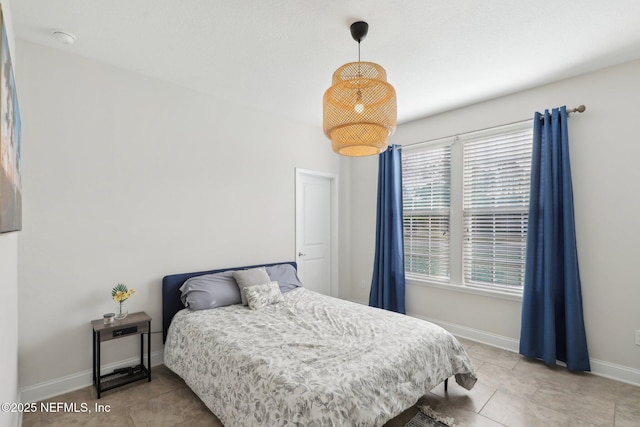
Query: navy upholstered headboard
[{"x": 171, "y": 302}]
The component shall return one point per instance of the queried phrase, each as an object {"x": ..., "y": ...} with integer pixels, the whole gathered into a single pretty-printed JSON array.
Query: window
[
  {"x": 466, "y": 203},
  {"x": 426, "y": 183}
]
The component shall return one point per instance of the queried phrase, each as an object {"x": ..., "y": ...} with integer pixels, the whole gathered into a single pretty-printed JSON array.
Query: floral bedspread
[{"x": 311, "y": 360}]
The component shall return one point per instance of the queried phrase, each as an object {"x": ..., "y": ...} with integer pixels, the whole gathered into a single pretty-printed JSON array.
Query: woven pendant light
[{"x": 359, "y": 108}]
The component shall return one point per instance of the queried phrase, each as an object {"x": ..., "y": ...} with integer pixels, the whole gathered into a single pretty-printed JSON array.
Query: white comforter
[{"x": 311, "y": 360}]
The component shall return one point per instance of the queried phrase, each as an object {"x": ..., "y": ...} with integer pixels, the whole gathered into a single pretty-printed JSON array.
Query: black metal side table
[{"x": 134, "y": 324}]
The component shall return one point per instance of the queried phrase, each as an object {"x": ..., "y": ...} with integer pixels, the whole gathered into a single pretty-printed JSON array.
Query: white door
[{"x": 316, "y": 230}]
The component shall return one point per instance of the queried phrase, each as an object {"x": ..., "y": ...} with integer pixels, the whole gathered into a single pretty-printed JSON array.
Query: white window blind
[
  {"x": 496, "y": 175},
  {"x": 426, "y": 196}
]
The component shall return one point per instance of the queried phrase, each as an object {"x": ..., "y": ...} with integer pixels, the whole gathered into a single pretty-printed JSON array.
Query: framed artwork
[{"x": 10, "y": 155}]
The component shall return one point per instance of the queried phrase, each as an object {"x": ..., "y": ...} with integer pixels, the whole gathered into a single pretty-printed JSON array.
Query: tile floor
[{"x": 510, "y": 391}]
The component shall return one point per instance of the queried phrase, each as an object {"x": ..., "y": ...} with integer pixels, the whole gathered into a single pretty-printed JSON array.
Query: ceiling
[{"x": 279, "y": 55}]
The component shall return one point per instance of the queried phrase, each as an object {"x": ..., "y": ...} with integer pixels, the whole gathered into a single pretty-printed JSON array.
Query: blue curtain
[
  {"x": 552, "y": 320},
  {"x": 387, "y": 286}
]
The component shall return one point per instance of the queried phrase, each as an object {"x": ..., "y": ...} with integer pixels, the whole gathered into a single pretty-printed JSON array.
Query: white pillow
[
  {"x": 260, "y": 296},
  {"x": 250, "y": 277}
]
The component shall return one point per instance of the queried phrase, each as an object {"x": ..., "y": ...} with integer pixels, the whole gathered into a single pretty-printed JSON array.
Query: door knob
[{"x": 301, "y": 254}]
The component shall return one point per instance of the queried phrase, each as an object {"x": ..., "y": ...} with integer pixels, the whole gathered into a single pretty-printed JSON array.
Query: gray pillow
[
  {"x": 250, "y": 277},
  {"x": 260, "y": 296},
  {"x": 210, "y": 291},
  {"x": 285, "y": 275}
]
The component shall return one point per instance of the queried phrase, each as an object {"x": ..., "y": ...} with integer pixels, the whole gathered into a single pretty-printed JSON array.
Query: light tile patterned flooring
[{"x": 511, "y": 391}]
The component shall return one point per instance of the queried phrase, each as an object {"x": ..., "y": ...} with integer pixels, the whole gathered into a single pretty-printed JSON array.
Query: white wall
[
  {"x": 9, "y": 391},
  {"x": 128, "y": 179},
  {"x": 604, "y": 158}
]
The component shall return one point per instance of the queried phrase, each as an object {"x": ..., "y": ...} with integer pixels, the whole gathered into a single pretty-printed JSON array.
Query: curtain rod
[{"x": 579, "y": 109}]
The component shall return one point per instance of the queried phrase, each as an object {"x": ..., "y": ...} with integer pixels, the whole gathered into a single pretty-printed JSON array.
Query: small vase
[{"x": 121, "y": 311}]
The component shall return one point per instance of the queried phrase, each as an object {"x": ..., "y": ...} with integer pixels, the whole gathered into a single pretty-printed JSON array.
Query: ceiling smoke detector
[{"x": 64, "y": 37}]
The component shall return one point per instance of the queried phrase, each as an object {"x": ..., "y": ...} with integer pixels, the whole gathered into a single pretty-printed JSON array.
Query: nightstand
[{"x": 134, "y": 324}]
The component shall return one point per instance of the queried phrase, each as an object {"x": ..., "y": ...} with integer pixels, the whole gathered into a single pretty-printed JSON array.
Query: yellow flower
[{"x": 120, "y": 293}]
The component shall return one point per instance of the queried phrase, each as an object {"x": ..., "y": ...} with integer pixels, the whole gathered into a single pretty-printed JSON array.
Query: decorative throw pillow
[
  {"x": 210, "y": 291},
  {"x": 285, "y": 275},
  {"x": 250, "y": 277},
  {"x": 260, "y": 296}
]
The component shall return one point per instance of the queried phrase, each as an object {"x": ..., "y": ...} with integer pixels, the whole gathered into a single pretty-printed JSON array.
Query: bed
[{"x": 307, "y": 360}]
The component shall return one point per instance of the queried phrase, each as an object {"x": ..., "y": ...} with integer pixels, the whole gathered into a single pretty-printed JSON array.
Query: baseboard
[
  {"x": 615, "y": 372},
  {"x": 472, "y": 334},
  {"x": 477, "y": 335},
  {"x": 58, "y": 386},
  {"x": 598, "y": 367},
  {"x": 601, "y": 368}
]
